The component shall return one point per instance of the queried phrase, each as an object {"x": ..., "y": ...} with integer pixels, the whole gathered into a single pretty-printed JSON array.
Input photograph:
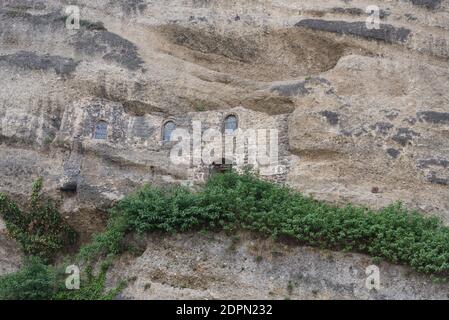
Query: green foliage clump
[
  {"x": 34, "y": 281},
  {"x": 107, "y": 243},
  {"x": 227, "y": 202},
  {"x": 41, "y": 231},
  {"x": 89, "y": 25},
  {"x": 39, "y": 281},
  {"x": 230, "y": 201},
  {"x": 92, "y": 286}
]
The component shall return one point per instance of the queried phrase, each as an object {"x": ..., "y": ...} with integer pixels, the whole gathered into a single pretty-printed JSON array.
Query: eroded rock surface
[
  {"x": 197, "y": 266},
  {"x": 356, "y": 109}
]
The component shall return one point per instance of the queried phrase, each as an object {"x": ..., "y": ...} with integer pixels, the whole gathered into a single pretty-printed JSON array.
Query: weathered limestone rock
[
  {"x": 32, "y": 61},
  {"x": 376, "y": 129},
  {"x": 201, "y": 267},
  {"x": 356, "y": 109}
]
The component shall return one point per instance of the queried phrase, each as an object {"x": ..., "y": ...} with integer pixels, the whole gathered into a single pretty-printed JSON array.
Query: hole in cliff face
[{"x": 263, "y": 56}]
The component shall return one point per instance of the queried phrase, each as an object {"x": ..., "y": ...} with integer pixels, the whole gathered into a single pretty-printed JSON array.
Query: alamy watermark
[
  {"x": 373, "y": 278},
  {"x": 373, "y": 20},
  {"x": 254, "y": 147},
  {"x": 72, "y": 282},
  {"x": 72, "y": 21}
]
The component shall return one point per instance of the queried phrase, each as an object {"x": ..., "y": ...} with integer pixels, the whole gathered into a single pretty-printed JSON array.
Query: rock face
[
  {"x": 355, "y": 109},
  {"x": 360, "y": 114},
  {"x": 220, "y": 267}
]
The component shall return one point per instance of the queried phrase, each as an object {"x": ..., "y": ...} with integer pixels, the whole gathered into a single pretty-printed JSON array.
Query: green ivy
[
  {"x": 40, "y": 230},
  {"x": 230, "y": 201}
]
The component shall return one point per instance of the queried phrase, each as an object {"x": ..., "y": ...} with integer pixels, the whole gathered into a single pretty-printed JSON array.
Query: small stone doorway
[{"x": 220, "y": 168}]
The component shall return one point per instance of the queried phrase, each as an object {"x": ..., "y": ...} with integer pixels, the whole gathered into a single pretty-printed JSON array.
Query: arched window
[
  {"x": 168, "y": 129},
  {"x": 230, "y": 124},
  {"x": 101, "y": 130}
]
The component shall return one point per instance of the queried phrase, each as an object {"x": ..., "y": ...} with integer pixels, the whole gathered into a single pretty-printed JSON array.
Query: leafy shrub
[
  {"x": 231, "y": 201},
  {"x": 228, "y": 202},
  {"x": 92, "y": 287},
  {"x": 108, "y": 242},
  {"x": 38, "y": 281},
  {"x": 34, "y": 281},
  {"x": 41, "y": 231}
]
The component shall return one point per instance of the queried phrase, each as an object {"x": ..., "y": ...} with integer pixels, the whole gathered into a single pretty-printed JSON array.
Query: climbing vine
[{"x": 38, "y": 228}]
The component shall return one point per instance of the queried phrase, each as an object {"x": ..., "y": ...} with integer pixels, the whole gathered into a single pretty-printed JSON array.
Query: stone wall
[{"x": 134, "y": 140}]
